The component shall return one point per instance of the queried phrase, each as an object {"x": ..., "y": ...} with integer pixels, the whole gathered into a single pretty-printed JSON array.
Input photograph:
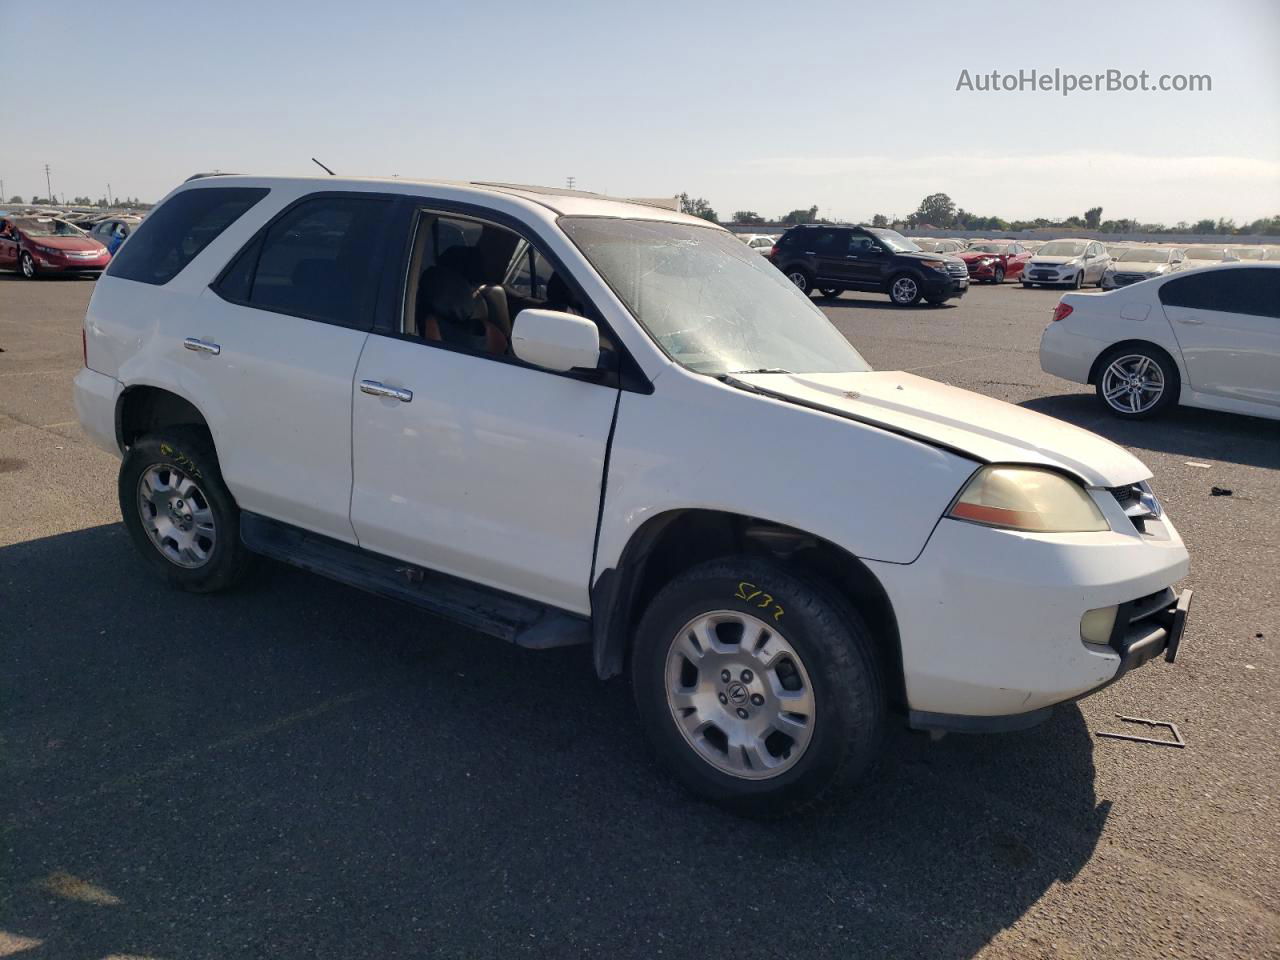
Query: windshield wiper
[{"x": 734, "y": 373}]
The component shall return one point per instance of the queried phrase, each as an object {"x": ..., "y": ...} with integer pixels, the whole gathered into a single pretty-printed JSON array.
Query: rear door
[
  {"x": 273, "y": 344},
  {"x": 824, "y": 248},
  {"x": 1227, "y": 324},
  {"x": 8, "y": 246}
]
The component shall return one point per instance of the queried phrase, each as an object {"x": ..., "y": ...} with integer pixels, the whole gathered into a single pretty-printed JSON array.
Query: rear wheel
[
  {"x": 904, "y": 290},
  {"x": 1136, "y": 382},
  {"x": 831, "y": 292},
  {"x": 179, "y": 513},
  {"x": 800, "y": 277},
  {"x": 759, "y": 690},
  {"x": 27, "y": 266}
]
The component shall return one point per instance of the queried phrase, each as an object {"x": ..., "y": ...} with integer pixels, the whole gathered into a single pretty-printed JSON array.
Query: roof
[{"x": 559, "y": 200}]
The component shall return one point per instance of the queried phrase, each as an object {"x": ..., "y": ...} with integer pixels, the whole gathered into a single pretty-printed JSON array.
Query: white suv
[{"x": 562, "y": 419}]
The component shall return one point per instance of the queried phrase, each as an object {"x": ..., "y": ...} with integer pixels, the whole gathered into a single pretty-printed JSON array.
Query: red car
[
  {"x": 994, "y": 261},
  {"x": 36, "y": 245}
]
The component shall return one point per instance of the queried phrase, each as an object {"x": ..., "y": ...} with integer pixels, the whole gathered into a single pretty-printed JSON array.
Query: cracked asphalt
[{"x": 296, "y": 769}]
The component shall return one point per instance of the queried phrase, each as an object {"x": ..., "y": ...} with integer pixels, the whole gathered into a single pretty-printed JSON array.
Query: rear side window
[
  {"x": 1252, "y": 290},
  {"x": 317, "y": 260},
  {"x": 175, "y": 233}
]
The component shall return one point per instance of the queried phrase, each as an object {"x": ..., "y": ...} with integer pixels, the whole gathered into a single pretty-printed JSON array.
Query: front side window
[
  {"x": 709, "y": 302},
  {"x": 48, "y": 228},
  {"x": 468, "y": 280},
  {"x": 318, "y": 260},
  {"x": 893, "y": 240},
  {"x": 176, "y": 231}
]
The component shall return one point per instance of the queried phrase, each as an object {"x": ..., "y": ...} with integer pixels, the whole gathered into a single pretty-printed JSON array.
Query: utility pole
[
  {"x": 569, "y": 181},
  {"x": 110, "y": 202},
  {"x": 49, "y": 195}
]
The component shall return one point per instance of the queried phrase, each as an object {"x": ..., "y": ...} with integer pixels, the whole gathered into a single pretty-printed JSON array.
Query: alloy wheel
[
  {"x": 739, "y": 694},
  {"x": 28, "y": 266},
  {"x": 904, "y": 290},
  {"x": 176, "y": 515},
  {"x": 1133, "y": 384},
  {"x": 799, "y": 279}
]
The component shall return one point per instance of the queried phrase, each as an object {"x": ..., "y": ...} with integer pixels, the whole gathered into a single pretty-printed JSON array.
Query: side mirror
[{"x": 555, "y": 341}]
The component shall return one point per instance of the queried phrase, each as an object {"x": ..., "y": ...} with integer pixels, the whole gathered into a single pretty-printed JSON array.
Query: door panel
[
  {"x": 1227, "y": 324},
  {"x": 490, "y": 472},
  {"x": 282, "y": 389}
]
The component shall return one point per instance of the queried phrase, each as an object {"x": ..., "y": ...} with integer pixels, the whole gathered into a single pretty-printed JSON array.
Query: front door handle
[
  {"x": 1191, "y": 320},
  {"x": 201, "y": 346},
  {"x": 376, "y": 389}
]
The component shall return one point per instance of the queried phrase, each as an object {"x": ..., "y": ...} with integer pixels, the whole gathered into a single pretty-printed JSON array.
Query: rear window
[{"x": 175, "y": 233}]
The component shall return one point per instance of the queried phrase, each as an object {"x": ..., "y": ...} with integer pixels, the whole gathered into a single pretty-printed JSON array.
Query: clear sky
[{"x": 766, "y": 106}]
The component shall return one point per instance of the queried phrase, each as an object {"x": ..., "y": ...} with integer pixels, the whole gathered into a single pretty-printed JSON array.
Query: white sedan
[{"x": 1208, "y": 338}]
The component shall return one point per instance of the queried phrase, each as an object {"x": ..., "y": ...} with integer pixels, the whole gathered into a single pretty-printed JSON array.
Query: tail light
[
  {"x": 773, "y": 251},
  {"x": 1062, "y": 311}
]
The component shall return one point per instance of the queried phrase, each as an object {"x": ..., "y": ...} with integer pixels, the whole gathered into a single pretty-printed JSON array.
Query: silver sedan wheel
[
  {"x": 740, "y": 695},
  {"x": 1133, "y": 384},
  {"x": 176, "y": 515},
  {"x": 904, "y": 290}
]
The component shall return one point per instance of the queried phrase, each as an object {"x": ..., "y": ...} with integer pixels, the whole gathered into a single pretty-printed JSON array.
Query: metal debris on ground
[
  {"x": 1197, "y": 463},
  {"x": 1220, "y": 492},
  {"x": 1177, "y": 740}
]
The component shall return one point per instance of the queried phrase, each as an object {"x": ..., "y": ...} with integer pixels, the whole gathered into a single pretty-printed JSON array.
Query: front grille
[
  {"x": 956, "y": 268},
  {"x": 1042, "y": 275},
  {"x": 1124, "y": 279},
  {"x": 1138, "y": 503}
]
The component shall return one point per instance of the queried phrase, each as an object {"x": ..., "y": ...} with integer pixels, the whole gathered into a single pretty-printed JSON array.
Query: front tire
[
  {"x": 179, "y": 513},
  {"x": 27, "y": 267},
  {"x": 1078, "y": 282},
  {"x": 1137, "y": 382},
  {"x": 759, "y": 690},
  {"x": 999, "y": 277},
  {"x": 904, "y": 290}
]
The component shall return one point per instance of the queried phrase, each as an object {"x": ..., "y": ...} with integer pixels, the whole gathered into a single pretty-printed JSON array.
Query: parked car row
[{"x": 31, "y": 246}]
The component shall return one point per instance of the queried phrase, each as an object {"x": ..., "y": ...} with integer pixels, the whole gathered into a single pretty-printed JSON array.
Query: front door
[
  {"x": 466, "y": 460},
  {"x": 864, "y": 261},
  {"x": 1227, "y": 324}
]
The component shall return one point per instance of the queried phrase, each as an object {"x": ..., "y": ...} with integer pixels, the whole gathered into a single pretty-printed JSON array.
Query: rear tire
[
  {"x": 831, "y": 292},
  {"x": 1136, "y": 382},
  {"x": 179, "y": 513},
  {"x": 770, "y": 650},
  {"x": 801, "y": 278}
]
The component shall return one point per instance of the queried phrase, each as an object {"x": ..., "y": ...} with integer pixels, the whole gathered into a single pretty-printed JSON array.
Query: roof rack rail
[{"x": 216, "y": 173}]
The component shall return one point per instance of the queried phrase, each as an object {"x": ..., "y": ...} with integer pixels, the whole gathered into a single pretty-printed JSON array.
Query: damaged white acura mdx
[{"x": 562, "y": 419}]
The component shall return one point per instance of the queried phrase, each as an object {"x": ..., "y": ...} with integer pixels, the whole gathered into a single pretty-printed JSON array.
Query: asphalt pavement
[{"x": 297, "y": 769}]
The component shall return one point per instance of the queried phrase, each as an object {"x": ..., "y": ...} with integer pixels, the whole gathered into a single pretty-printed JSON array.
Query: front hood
[
  {"x": 1139, "y": 267},
  {"x": 970, "y": 257},
  {"x": 1051, "y": 261},
  {"x": 980, "y": 427},
  {"x": 67, "y": 243}
]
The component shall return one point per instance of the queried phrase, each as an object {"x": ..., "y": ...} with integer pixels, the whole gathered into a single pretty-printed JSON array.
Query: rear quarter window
[{"x": 175, "y": 233}]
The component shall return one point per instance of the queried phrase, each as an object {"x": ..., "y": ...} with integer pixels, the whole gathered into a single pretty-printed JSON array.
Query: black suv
[{"x": 830, "y": 258}]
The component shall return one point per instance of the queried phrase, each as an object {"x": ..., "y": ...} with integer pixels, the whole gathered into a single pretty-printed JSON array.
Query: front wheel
[
  {"x": 1137, "y": 382},
  {"x": 27, "y": 266},
  {"x": 179, "y": 513},
  {"x": 1026, "y": 285},
  {"x": 1078, "y": 282},
  {"x": 758, "y": 690},
  {"x": 904, "y": 290},
  {"x": 999, "y": 278}
]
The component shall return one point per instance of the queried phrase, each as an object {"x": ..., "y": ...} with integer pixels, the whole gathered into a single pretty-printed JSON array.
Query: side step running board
[{"x": 526, "y": 623}]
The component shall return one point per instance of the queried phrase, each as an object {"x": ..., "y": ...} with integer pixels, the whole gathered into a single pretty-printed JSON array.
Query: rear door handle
[
  {"x": 201, "y": 346},
  {"x": 1191, "y": 320},
  {"x": 376, "y": 389}
]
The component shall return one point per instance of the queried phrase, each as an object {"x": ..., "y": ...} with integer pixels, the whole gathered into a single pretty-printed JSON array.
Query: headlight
[
  {"x": 48, "y": 251},
  {"x": 935, "y": 264},
  {"x": 1027, "y": 498}
]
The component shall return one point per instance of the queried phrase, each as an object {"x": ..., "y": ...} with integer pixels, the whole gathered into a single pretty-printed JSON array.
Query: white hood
[
  {"x": 985, "y": 429},
  {"x": 1052, "y": 261}
]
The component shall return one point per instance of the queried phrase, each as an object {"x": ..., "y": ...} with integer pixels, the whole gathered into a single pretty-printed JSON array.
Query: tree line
[{"x": 939, "y": 210}]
